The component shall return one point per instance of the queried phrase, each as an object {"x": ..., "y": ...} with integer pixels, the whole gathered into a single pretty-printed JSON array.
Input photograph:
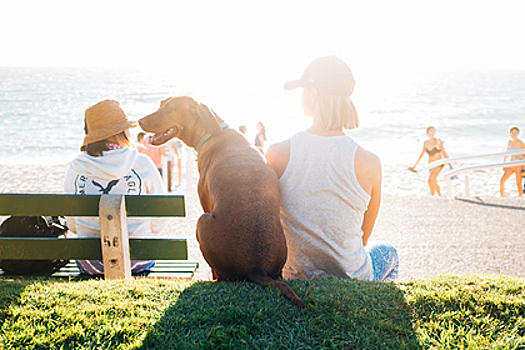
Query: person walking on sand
[
  {"x": 108, "y": 165},
  {"x": 436, "y": 151},
  {"x": 330, "y": 186},
  {"x": 513, "y": 144}
]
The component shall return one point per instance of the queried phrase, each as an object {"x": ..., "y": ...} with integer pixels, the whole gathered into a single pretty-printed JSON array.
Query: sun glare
[
  {"x": 269, "y": 36},
  {"x": 241, "y": 48}
]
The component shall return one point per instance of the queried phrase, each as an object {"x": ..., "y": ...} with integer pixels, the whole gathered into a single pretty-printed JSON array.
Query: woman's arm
[
  {"x": 278, "y": 155},
  {"x": 443, "y": 149},
  {"x": 369, "y": 176},
  {"x": 371, "y": 213},
  {"x": 420, "y": 156}
]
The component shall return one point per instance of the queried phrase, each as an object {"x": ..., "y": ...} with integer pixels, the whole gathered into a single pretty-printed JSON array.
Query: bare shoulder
[
  {"x": 278, "y": 155},
  {"x": 367, "y": 159},
  {"x": 277, "y": 150},
  {"x": 367, "y": 167}
]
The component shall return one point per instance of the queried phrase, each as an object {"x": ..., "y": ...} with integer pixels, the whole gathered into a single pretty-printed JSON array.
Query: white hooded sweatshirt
[{"x": 120, "y": 171}]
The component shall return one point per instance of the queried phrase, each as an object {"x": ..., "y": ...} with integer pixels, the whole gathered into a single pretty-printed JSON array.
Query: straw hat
[{"x": 104, "y": 120}]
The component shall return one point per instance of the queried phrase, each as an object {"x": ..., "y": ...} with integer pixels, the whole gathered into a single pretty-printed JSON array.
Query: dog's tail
[{"x": 261, "y": 278}]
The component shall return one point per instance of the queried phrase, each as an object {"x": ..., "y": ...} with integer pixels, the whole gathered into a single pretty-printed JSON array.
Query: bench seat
[
  {"x": 113, "y": 246},
  {"x": 163, "y": 269},
  {"x": 170, "y": 254}
]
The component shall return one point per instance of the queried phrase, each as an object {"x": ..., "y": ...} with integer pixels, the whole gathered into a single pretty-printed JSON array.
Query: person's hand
[{"x": 411, "y": 168}]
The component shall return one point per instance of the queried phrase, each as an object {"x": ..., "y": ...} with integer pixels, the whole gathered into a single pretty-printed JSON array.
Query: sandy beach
[{"x": 433, "y": 235}]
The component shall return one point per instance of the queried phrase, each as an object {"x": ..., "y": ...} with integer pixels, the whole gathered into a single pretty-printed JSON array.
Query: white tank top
[{"x": 322, "y": 209}]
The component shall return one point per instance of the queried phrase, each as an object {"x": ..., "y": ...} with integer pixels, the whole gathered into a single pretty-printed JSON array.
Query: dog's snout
[{"x": 146, "y": 123}]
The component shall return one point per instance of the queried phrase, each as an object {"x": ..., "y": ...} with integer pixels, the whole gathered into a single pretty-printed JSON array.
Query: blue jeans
[{"x": 385, "y": 260}]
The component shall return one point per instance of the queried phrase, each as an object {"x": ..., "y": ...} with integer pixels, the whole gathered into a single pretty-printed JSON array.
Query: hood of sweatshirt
[{"x": 113, "y": 164}]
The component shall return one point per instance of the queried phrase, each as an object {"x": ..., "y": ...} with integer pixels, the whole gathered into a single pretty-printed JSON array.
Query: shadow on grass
[{"x": 339, "y": 314}]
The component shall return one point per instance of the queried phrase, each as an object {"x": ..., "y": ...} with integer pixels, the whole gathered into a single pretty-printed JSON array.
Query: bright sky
[
  {"x": 234, "y": 46},
  {"x": 248, "y": 37}
]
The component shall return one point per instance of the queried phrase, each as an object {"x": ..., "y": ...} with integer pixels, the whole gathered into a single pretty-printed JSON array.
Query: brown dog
[{"x": 240, "y": 232}]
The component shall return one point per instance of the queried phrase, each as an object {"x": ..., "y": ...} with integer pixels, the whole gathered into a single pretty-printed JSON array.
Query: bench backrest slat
[
  {"x": 87, "y": 205},
  {"x": 89, "y": 248}
]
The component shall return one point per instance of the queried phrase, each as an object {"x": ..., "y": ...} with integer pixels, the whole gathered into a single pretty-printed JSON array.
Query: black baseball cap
[{"x": 327, "y": 74}]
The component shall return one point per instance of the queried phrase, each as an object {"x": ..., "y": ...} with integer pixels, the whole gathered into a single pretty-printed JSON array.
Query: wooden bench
[{"x": 113, "y": 247}]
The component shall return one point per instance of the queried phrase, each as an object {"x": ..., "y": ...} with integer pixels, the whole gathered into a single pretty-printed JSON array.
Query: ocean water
[{"x": 42, "y": 109}]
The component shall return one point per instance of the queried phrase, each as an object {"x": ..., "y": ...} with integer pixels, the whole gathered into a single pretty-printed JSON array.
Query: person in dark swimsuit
[
  {"x": 435, "y": 150},
  {"x": 260, "y": 138}
]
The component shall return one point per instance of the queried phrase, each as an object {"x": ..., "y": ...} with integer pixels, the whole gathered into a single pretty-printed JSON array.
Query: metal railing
[{"x": 448, "y": 175}]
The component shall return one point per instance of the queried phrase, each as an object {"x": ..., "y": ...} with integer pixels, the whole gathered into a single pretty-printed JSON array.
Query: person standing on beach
[
  {"x": 513, "y": 144},
  {"x": 108, "y": 165},
  {"x": 330, "y": 186},
  {"x": 436, "y": 151},
  {"x": 156, "y": 153},
  {"x": 260, "y": 137},
  {"x": 174, "y": 155}
]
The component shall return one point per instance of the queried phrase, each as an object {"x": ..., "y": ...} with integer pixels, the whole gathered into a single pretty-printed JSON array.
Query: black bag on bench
[{"x": 32, "y": 226}]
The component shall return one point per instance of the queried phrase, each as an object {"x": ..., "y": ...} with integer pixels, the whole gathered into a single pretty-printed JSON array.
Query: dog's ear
[
  {"x": 163, "y": 102},
  {"x": 209, "y": 120}
]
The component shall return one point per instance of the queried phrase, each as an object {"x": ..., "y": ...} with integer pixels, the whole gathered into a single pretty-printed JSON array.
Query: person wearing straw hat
[
  {"x": 330, "y": 186},
  {"x": 108, "y": 165}
]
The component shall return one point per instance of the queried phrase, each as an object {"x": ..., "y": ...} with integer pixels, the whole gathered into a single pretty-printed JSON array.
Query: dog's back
[
  {"x": 240, "y": 232},
  {"x": 241, "y": 235},
  {"x": 244, "y": 207}
]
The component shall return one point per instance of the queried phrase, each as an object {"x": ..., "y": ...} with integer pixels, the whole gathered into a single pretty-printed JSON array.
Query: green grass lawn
[{"x": 448, "y": 312}]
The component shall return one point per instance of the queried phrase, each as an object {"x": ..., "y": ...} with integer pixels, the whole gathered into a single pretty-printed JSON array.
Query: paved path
[
  {"x": 463, "y": 235},
  {"x": 434, "y": 235}
]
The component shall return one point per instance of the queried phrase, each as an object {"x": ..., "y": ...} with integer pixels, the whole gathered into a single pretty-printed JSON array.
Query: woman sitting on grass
[
  {"x": 108, "y": 165},
  {"x": 330, "y": 186}
]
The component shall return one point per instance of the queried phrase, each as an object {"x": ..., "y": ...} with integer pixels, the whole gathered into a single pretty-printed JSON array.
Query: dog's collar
[
  {"x": 207, "y": 136},
  {"x": 202, "y": 141}
]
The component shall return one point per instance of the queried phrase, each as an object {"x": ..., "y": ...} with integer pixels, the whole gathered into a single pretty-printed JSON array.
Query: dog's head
[{"x": 181, "y": 117}]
